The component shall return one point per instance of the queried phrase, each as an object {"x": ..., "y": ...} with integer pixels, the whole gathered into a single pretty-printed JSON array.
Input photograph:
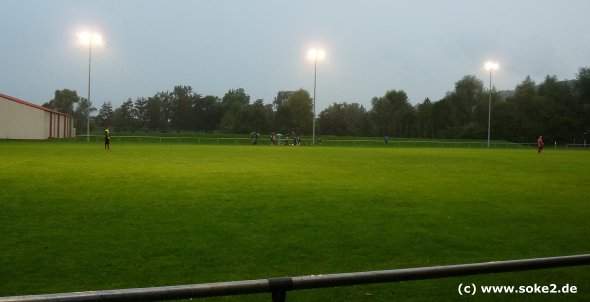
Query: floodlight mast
[
  {"x": 89, "y": 38},
  {"x": 490, "y": 66},
  {"x": 315, "y": 54}
]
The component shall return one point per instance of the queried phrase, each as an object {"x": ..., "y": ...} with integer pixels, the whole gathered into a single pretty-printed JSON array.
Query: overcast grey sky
[{"x": 422, "y": 47}]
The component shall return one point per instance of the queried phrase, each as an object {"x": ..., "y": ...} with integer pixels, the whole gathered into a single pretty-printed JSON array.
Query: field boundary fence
[
  {"x": 578, "y": 146},
  {"x": 278, "y": 287},
  {"x": 431, "y": 143},
  {"x": 166, "y": 139},
  {"x": 323, "y": 142}
]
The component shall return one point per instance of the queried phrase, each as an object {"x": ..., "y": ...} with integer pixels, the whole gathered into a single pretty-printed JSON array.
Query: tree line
[{"x": 558, "y": 110}]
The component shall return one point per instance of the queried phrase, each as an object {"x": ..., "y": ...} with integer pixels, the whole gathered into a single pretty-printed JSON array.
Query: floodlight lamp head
[
  {"x": 316, "y": 54},
  {"x": 491, "y": 66},
  {"x": 90, "y": 38}
]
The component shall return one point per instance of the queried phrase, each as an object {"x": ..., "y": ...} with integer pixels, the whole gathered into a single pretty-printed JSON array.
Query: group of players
[{"x": 293, "y": 140}]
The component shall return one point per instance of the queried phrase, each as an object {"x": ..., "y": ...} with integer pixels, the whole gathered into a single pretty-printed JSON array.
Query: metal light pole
[
  {"x": 315, "y": 76},
  {"x": 88, "y": 107},
  {"x": 315, "y": 54},
  {"x": 89, "y": 38},
  {"x": 490, "y": 66}
]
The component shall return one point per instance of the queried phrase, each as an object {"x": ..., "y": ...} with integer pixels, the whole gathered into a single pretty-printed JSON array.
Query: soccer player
[
  {"x": 107, "y": 138},
  {"x": 540, "y": 144}
]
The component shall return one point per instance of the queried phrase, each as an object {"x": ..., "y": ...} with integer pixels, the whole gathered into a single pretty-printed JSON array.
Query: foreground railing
[{"x": 278, "y": 287}]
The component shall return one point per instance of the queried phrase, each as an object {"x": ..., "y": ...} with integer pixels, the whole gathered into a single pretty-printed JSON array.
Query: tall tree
[
  {"x": 344, "y": 119},
  {"x": 393, "y": 114},
  {"x": 160, "y": 111},
  {"x": 465, "y": 110},
  {"x": 82, "y": 115},
  {"x": 381, "y": 116},
  {"x": 468, "y": 92},
  {"x": 125, "y": 116},
  {"x": 441, "y": 119},
  {"x": 582, "y": 89},
  {"x": 295, "y": 114},
  {"x": 140, "y": 108},
  {"x": 63, "y": 101},
  {"x": 182, "y": 100},
  {"x": 253, "y": 118},
  {"x": 282, "y": 116},
  {"x": 560, "y": 113},
  {"x": 208, "y": 113},
  {"x": 424, "y": 119},
  {"x": 525, "y": 115},
  {"x": 233, "y": 103},
  {"x": 105, "y": 114},
  {"x": 235, "y": 99}
]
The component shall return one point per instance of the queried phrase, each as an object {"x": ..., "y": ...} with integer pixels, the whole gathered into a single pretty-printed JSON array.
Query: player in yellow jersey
[{"x": 107, "y": 138}]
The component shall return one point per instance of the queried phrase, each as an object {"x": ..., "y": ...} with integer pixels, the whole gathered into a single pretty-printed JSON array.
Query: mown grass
[{"x": 75, "y": 217}]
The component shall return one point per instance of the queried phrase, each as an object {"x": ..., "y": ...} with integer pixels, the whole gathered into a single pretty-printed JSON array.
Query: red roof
[{"x": 29, "y": 104}]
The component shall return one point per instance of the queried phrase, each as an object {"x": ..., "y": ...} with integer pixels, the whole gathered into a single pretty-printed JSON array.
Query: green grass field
[{"x": 74, "y": 217}]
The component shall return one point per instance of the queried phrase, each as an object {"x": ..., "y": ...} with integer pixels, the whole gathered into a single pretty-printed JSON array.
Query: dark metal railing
[{"x": 278, "y": 287}]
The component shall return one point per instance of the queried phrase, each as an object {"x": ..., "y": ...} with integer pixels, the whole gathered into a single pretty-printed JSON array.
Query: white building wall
[
  {"x": 18, "y": 121},
  {"x": 22, "y": 120}
]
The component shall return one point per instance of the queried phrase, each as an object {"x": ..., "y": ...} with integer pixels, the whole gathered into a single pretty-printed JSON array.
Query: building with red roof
[{"x": 23, "y": 120}]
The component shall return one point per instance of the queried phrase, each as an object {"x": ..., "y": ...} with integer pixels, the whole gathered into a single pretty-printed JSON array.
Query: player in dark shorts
[
  {"x": 107, "y": 139},
  {"x": 540, "y": 145}
]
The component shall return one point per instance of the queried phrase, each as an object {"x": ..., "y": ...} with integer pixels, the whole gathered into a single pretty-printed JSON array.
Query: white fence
[
  {"x": 324, "y": 142},
  {"x": 578, "y": 146}
]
